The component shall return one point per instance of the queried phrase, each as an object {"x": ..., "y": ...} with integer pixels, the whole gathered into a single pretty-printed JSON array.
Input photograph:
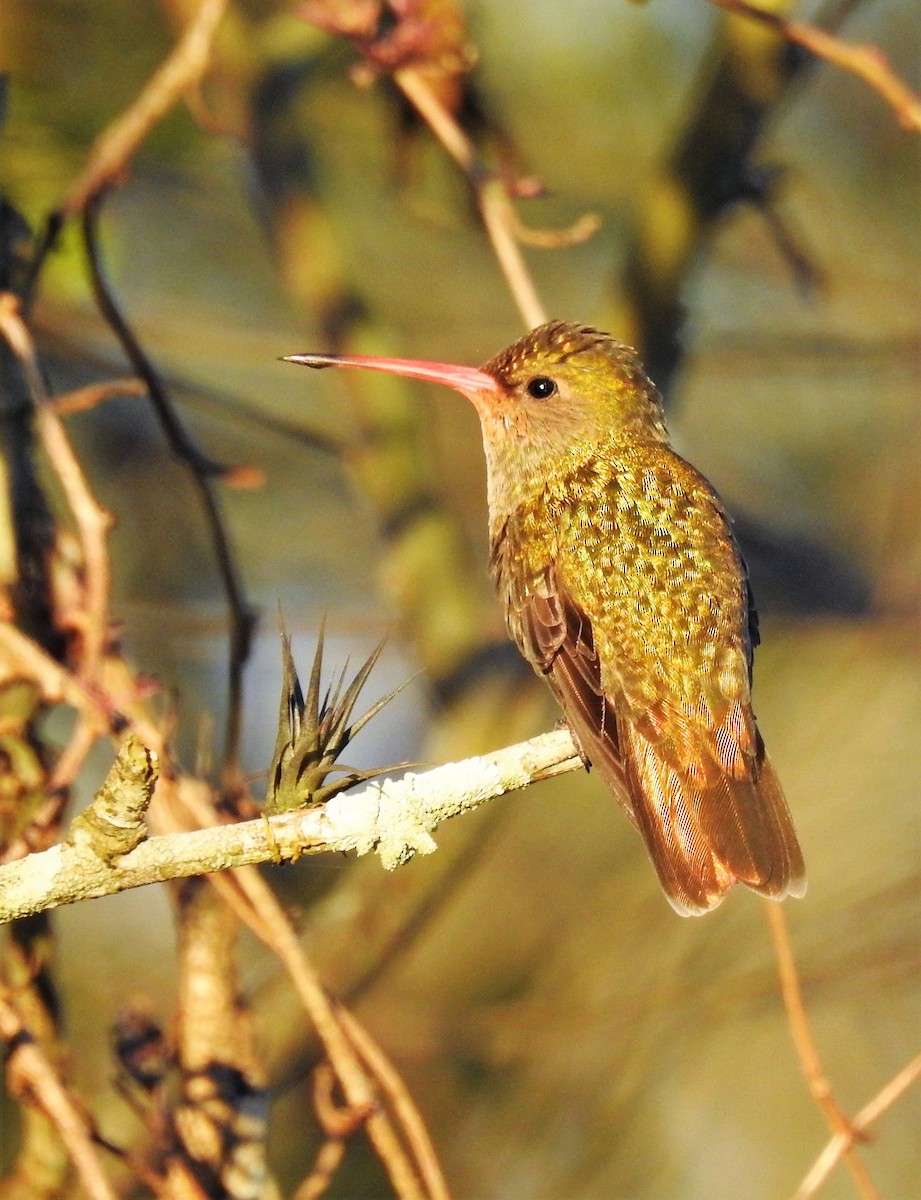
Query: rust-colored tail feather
[{"x": 706, "y": 833}]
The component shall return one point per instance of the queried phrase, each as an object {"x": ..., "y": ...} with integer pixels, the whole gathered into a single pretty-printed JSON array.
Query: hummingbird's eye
[{"x": 540, "y": 388}]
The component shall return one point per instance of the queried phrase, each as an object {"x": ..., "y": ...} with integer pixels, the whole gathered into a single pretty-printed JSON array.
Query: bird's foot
[{"x": 562, "y": 723}]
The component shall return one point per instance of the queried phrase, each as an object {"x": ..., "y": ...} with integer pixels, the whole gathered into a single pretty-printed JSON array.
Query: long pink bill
[{"x": 468, "y": 380}]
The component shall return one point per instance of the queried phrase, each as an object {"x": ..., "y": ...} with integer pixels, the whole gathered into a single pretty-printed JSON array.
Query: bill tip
[{"x": 305, "y": 360}]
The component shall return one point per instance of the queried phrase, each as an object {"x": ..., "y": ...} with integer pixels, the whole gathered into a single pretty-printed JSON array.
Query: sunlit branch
[
  {"x": 395, "y": 819},
  {"x": 867, "y": 62},
  {"x": 838, "y": 1145},
  {"x": 808, "y": 1053}
]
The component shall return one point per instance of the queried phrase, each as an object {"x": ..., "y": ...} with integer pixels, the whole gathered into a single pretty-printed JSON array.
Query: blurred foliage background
[{"x": 562, "y": 1031}]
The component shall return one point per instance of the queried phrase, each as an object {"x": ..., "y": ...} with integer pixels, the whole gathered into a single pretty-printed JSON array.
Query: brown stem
[
  {"x": 489, "y": 189},
  {"x": 255, "y": 903},
  {"x": 393, "y": 1087},
  {"x": 93, "y": 521},
  {"x": 30, "y": 1071},
  {"x": 866, "y": 62},
  {"x": 807, "y": 1052},
  {"x": 114, "y": 149},
  {"x": 872, "y": 1111}
]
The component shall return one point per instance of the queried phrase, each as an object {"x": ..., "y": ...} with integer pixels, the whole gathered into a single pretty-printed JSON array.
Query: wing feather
[{"x": 699, "y": 787}]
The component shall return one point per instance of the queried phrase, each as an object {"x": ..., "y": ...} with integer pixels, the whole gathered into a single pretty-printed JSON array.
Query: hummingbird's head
[
  {"x": 562, "y": 392},
  {"x": 548, "y": 400},
  {"x": 571, "y": 383}
]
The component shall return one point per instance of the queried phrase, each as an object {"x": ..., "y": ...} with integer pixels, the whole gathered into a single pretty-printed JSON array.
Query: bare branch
[
  {"x": 395, "y": 819},
  {"x": 93, "y": 521},
  {"x": 810, "y": 1061},
  {"x": 202, "y": 471},
  {"x": 21, "y": 657},
  {"x": 866, "y": 62},
  {"x": 838, "y": 1145},
  {"x": 83, "y": 399},
  {"x": 401, "y": 1102},
  {"x": 492, "y": 197},
  {"x": 252, "y": 900},
  {"x": 264, "y": 915},
  {"x": 30, "y": 1072},
  {"x": 177, "y": 75}
]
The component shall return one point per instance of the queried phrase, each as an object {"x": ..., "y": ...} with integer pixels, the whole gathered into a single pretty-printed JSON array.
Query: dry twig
[
  {"x": 255, "y": 904},
  {"x": 30, "y": 1072},
  {"x": 808, "y": 1053},
  {"x": 357, "y": 1083},
  {"x": 202, "y": 470},
  {"x": 178, "y": 75},
  {"x": 401, "y": 1103},
  {"x": 871, "y": 1112},
  {"x": 505, "y": 230},
  {"x": 866, "y": 62},
  {"x": 93, "y": 522},
  {"x": 329, "y": 1157},
  {"x": 83, "y": 399},
  {"x": 22, "y": 657}
]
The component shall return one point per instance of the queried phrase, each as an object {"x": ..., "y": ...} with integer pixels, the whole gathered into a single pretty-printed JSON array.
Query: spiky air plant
[{"x": 313, "y": 733}]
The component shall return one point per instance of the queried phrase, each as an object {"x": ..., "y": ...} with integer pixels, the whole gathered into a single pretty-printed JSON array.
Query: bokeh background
[{"x": 564, "y": 1034}]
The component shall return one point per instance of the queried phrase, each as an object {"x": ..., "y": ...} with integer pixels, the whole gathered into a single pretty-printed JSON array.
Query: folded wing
[{"x": 695, "y": 780}]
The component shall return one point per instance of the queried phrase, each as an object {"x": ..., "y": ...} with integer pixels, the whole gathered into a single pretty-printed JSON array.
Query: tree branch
[
  {"x": 839, "y": 1143},
  {"x": 176, "y": 76},
  {"x": 394, "y": 818},
  {"x": 31, "y": 1074},
  {"x": 807, "y": 1052},
  {"x": 866, "y": 62}
]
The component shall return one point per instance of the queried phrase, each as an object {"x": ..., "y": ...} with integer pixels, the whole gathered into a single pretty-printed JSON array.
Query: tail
[{"x": 708, "y": 829}]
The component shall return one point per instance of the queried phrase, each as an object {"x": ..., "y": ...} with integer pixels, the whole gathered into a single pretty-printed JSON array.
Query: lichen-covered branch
[{"x": 394, "y": 818}]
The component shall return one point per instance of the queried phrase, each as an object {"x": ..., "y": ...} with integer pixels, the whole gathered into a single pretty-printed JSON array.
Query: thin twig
[
  {"x": 336, "y": 1120},
  {"x": 93, "y": 521},
  {"x": 327, "y": 1163},
  {"x": 83, "y": 399},
  {"x": 202, "y": 470},
  {"x": 327, "y": 1017},
  {"x": 30, "y": 1071},
  {"x": 867, "y": 62},
  {"x": 98, "y": 714},
  {"x": 871, "y": 1112},
  {"x": 108, "y": 161},
  {"x": 400, "y": 1101},
  {"x": 180, "y": 441},
  {"x": 180, "y": 72},
  {"x": 253, "y": 901},
  {"x": 807, "y": 1052},
  {"x": 23, "y": 658},
  {"x": 491, "y": 194},
  {"x": 178, "y": 75}
]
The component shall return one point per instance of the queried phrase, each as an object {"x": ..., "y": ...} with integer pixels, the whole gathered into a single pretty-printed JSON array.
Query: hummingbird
[{"x": 624, "y": 588}]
